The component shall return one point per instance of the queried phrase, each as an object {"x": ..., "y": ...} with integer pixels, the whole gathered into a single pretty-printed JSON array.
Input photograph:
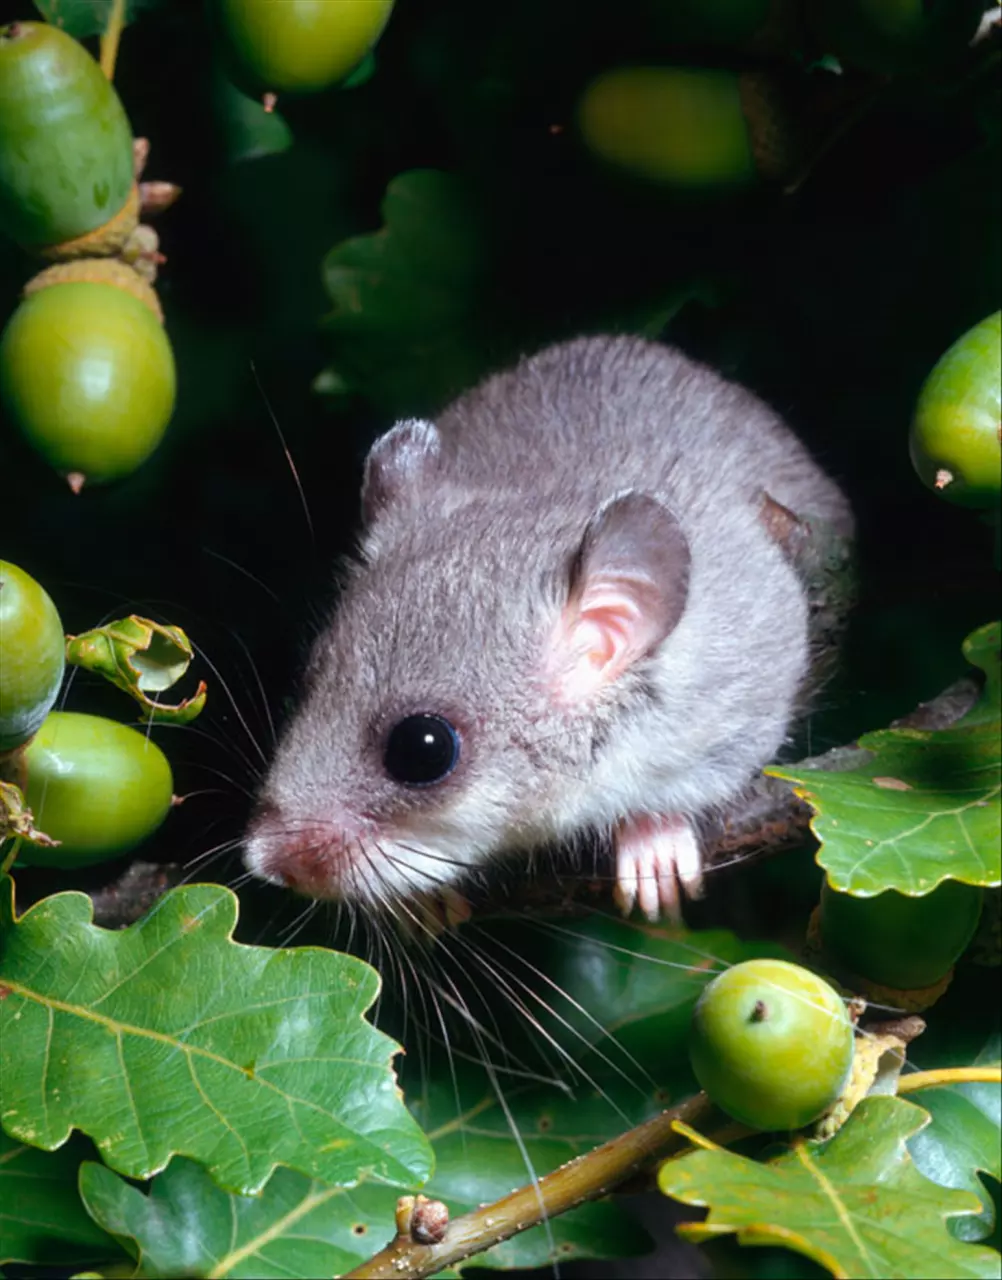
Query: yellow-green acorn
[
  {"x": 688, "y": 127},
  {"x": 297, "y": 46},
  {"x": 86, "y": 370},
  {"x": 771, "y": 1043},
  {"x": 32, "y": 649},
  {"x": 99, "y": 787}
]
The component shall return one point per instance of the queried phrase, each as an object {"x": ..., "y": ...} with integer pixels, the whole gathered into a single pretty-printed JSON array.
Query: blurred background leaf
[{"x": 82, "y": 18}]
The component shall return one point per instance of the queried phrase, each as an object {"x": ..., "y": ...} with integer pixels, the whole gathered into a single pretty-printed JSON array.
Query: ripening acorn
[
  {"x": 32, "y": 655},
  {"x": 277, "y": 47},
  {"x": 86, "y": 370},
  {"x": 99, "y": 787},
  {"x": 771, "y": 1044},
  {"x": 956, "y": 433},
  {"x": 900, "y": 941},
  {"x": 65, "y": 140},
  {"x": 688, "y": 127}
]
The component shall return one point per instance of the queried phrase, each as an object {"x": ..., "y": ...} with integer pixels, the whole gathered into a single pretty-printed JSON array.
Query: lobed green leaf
[
  {"x": 926, "y": 806},
  {"x": 856, "y": 1203},
  {"x": 169, "y": 1038},
  {"x": 409, "y": 299},
  {"x": 187, "y": 1225}
]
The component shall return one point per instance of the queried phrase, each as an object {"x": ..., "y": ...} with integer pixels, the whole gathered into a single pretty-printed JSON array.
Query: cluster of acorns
[
  {"x": 94, "y": 788},
  {"x": 86, "y": 369},
  {"x": 87, "y": 374}
]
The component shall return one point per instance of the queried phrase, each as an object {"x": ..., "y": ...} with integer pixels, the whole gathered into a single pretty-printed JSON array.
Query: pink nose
[{"x": 309, "y": 857}]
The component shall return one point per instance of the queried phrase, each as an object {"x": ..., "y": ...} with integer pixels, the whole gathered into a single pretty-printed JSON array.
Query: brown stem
[{"x": 588, "y": 1177}]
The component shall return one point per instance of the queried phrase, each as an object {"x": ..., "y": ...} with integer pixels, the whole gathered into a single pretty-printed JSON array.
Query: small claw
[
  {"x": 669, "y": 906},
  {"x": 689, "y": 862},
  {"x": 657, "y": 856},
  {"x": 625, "y": 892}
]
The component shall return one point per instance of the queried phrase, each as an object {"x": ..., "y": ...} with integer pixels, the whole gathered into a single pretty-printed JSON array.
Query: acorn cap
[
  {"x": 109, "y": 271},
  {"x": 105, "y": 240},
  {"x": 913, "y": 1001},
  {"x": 772, "y": 128}
]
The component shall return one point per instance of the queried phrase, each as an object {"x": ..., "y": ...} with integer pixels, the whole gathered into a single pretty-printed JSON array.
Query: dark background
[{"x": 833, "y": 303}]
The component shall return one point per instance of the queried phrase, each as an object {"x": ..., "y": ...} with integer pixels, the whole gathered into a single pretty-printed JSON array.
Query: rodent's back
[
  {"x": 591, "y": 417},
  {"x": 572, "y": 427}
]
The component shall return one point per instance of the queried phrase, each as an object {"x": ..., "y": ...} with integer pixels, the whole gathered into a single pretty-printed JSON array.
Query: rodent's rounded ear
[
  {"x": 398, "y": 462},
  {"x": 629, "y": 586}
]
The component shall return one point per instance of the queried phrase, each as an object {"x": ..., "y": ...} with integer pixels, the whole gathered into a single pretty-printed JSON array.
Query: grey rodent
[{"x": 565, "y": 583}]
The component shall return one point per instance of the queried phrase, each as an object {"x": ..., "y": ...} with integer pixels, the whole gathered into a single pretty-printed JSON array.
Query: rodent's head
[{"x": 454, "y": 705}]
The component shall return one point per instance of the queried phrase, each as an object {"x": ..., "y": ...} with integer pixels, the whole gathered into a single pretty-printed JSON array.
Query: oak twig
[
  {"x": 588, "y": 1177},
  {"x": 950, "y": 1075}
]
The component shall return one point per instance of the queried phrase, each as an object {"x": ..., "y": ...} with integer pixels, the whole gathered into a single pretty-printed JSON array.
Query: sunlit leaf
[
  {"x": 856, "y": 1204},
  {"x": 925, "y": 806}
]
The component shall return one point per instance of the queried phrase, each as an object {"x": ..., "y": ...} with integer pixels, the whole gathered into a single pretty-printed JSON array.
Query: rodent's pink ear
[
  {"x": 628, "y": 590},
  {"x": 399, "y": 462}
]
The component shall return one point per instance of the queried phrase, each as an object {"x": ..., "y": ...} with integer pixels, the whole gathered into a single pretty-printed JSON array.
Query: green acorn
[
  {"x": 65, "y": 143},
  {"x": 98, "y": 787},
  {"x": 32, "y": 648},
  {"x": 899, "y": 941},
  {"x": 771, "y": 1043},
  {"x": 276, "y": 47},
  {"x": 956, "y": 433},
  {"x": 86, "y": 370},
  {"x": 688, "y": 127}
]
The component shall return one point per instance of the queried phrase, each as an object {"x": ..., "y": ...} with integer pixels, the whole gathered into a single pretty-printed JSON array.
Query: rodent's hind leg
[{"x": 657, "y": 856}]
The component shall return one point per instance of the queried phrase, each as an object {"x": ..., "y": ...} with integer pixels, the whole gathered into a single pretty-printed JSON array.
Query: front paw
[{"x": 657, "y": 859}]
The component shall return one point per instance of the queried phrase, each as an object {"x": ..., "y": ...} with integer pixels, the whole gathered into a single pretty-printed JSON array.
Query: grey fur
[{"x": 465, "y": 568}]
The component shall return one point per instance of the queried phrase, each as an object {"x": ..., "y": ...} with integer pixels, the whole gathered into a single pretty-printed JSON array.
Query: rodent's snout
[{"x": 308, "y": 856}]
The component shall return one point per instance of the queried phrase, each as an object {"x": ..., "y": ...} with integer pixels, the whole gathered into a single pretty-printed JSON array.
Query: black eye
[{"x": 421, "y": 750}]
